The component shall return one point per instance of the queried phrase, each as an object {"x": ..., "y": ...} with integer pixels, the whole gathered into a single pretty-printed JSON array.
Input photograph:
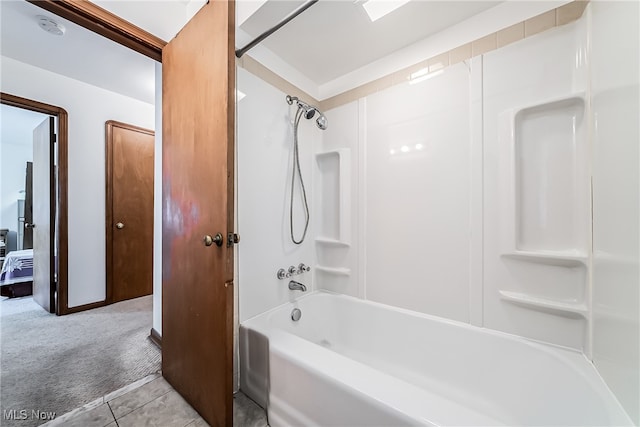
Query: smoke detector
[{"x": 50, "y": 26}]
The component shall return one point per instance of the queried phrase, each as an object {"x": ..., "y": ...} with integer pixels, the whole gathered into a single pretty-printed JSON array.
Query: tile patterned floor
[{"x": 153, "y": 402}]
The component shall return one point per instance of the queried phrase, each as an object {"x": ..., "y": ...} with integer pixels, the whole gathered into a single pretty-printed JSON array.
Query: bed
[{"x": 16, "y": 276}]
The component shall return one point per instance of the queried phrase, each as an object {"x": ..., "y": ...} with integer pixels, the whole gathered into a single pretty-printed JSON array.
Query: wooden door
[
  {"x": 43, "y": 215},
  {"x": 129, "y": 222},
  {"x": 198, "y": 96}
]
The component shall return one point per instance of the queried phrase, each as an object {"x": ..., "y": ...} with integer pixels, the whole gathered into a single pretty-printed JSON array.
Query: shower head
[
  {"x": 322, "y": 122},
  {"x": 309, "y": 111}
]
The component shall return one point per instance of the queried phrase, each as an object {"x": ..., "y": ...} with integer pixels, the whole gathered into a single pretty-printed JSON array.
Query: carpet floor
[{"x": 56, "y": 364}]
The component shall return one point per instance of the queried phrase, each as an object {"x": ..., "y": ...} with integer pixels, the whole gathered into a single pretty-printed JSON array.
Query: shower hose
[{"x": 296, "y": 170}]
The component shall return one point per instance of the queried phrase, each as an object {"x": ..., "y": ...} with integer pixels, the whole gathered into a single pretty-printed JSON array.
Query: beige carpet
[{"x": 56, "y": 364}]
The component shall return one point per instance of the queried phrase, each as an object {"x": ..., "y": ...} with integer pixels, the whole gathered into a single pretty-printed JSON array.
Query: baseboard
[
  {"x": 84, "y": 307},
  {"x": 156, "y": 338}
]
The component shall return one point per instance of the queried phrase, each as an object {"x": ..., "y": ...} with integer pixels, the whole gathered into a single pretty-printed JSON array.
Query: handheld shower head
[
  {"x": 321, "y": 121},
  {"x": 309, "y": 111}
]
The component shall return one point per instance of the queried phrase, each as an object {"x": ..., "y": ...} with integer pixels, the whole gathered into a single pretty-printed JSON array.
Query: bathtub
[{"x": 349, "y": 362}]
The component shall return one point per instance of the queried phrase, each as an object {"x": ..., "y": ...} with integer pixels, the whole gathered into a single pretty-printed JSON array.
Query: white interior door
[{"x": 43, "y": 215}]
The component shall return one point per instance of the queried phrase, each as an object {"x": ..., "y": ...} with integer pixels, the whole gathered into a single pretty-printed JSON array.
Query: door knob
[
  {"x": 119, "y": 226},
  {"x": 217, "y": 239},
  {"x": 232, "y": 239},
  {"x": 28, "y": 225}
]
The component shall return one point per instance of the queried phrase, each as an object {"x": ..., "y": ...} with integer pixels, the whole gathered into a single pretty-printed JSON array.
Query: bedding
[{"x": 17, "y": 267}]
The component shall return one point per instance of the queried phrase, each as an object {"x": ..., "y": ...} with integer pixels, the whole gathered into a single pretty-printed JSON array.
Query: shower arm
[
  {"x": 308, "y": 111},
  {"x": 285, "y": 21}
]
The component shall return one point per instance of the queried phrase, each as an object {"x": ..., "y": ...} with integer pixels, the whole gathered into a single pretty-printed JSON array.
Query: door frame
[
  {"x": 100, "y": 21},
  {"x": 60, "y": 306},
  {"x": 109, "y": 197}
]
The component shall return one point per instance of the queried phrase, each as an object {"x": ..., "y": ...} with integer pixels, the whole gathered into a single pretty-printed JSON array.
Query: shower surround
[{"x": 468, "y": 196}]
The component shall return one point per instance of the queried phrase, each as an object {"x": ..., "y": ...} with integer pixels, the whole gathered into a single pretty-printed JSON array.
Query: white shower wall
[
  {"x": 536, "y": 188},
  {"x": 616, "y": 195},
  {"x": 435, "y": 229},
  {"x": 411, "y": 187},
  {"x": 264, "y": 142},
  {"x": 417, "y": 195}
]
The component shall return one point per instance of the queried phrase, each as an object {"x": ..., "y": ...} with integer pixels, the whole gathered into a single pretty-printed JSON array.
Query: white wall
[
  {"x": 16, "y": 149},
  {"x": 157, "y": 207},
  {"x": 417, "y": 202},
  {"x": 264, "y": 148},
  {"x": 409, "y": 243},
  {"x": 89, "y": 108},
  {"x": 536, "y": 188},
  {"x": 417, "y": 235},
  {"x": 337, "y": 245},
  {"x": 616, "y": 198}
]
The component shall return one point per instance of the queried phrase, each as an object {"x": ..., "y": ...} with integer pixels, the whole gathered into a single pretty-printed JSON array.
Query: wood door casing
[
  {"x": 197, "y": 168},
  {"x": 27, "y": 236},
  {"x": 60, "y": 193},
  {"x": 100, "y": 21},
  {"x": 129, "y": 191},
  {"x": 43, "y": 214}
]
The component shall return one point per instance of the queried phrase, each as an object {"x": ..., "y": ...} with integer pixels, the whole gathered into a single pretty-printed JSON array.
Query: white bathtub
[{"x": 349, "y": 362}]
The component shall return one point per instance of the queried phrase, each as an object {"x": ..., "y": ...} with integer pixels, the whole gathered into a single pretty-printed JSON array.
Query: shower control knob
[
  {"x": 303, "y": 268},
  {"x": 292, "y": 270},
  {"x": 282, "y": 274}
]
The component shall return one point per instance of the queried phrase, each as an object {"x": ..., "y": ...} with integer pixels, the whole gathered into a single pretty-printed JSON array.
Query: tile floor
[{"x": 153, "y": 402}]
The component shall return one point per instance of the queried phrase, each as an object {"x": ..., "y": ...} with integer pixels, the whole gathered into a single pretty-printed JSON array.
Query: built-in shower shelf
[
  {"x": 333, "y": 195},
  {"x": 333, "y": 270},
  {"x": 331, "y": 242},
  {"x": 566, "y": 309},
  {"x": 559, "y": 258}
]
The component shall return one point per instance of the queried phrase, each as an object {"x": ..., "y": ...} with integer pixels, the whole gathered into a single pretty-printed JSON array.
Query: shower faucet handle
[
  {"x": 292, "y": 271},
  {"x": 303, "y": 268},
  {"x": 282, "y": 274}
]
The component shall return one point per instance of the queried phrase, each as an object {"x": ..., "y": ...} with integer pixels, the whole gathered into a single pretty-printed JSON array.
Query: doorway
[
  {"x": 46, "y": 232},
  {"x": 198, "y": 192}
]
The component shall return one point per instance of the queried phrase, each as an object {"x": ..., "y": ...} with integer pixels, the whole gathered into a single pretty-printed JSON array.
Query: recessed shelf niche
[
  {"x": 550, "y": 176},
  {"x": 334, "y": 184},
  {"x": 545, "y": 203}
]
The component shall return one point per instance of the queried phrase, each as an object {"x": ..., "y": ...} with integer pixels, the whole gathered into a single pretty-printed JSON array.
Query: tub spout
[{"x": 296, "y": 286}]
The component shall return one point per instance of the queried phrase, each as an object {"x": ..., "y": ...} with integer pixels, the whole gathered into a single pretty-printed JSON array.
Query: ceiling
[
  {"x": 79, "y": 54},
  {"x": 333, "y": 38},
  {"x": 329, "y": 40}
]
